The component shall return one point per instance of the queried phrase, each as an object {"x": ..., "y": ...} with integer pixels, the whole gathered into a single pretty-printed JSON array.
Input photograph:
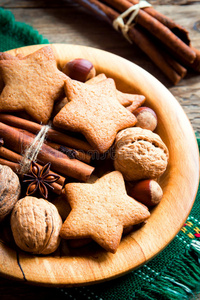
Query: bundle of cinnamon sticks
[
  {"x": 166, "y": 43},
  {"x": 17, "y": 134}
]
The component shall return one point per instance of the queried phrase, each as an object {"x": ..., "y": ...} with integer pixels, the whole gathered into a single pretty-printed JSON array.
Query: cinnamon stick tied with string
[
  {"x": 158, "y": 29},
  {"x": 178, "y": 30},
  {"x": 152, "y": 32},
  {"x": 53, "y": 135},
  {"x": 167, "y": 64},
  {"x": 60, "y": 162},
  {"x": 71, "y": 153}
]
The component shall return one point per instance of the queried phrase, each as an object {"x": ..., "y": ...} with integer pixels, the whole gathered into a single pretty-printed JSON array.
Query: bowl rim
[{"x": 101, "y": 266}]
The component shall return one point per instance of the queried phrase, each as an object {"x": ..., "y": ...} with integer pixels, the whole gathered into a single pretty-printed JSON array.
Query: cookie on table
[
  {"x": 32, "y": 83},
  {"x": 94, "y": 111},
  {"x": 101, "y": 211}
]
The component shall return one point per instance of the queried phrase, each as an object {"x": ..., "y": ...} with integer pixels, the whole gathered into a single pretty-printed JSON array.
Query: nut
[
  {"x": 140, "y": 154},
  {"x": 36, "y": 224},
  {"x": 148, "y": 192},
  {"x": 79, "y": 69},
  {"x": 146, "y": 118},
  {"x": 9, "y": 190}
]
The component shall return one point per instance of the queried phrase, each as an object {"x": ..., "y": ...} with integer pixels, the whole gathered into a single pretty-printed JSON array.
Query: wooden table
[{"x": 66, "y": 22}]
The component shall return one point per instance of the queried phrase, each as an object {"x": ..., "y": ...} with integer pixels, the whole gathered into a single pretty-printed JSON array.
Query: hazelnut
[
  {"x": 140, "y": 154},
  {"x": 36, "y": 224},
  {"x": 146, "y": 118},
  {"x": 10, "y": 190},
  {"x": 79, "y": 69},
  {"x": 148, "y": 192}
]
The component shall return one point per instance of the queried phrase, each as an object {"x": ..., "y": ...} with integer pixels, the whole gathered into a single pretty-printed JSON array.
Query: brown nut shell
[
  {"x": 79, "y": 69},
  {"x": 146, "y": 118},
  {"x": 9, "y": 190},
  {"x": 140, "y": 154},
  {"x": 36, "y": 225},
  {"x": 148, "y": 192}
]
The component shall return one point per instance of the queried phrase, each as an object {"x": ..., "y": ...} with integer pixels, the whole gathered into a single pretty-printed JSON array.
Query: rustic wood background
[{"x": 66, "y": 22}]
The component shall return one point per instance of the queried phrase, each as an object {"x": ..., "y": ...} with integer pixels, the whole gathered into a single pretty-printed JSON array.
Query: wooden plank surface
[{"x": 66, "y": 22}]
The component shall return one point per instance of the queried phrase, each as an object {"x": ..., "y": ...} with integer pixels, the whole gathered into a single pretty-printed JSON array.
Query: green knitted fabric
[
  {"x": 175, "y": 273},
  {"x": 16, "y": 34}
]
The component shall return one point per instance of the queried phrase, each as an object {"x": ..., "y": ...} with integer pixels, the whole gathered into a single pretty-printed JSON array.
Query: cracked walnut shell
[
  {"x": 36, "y": 225},
  {"x": 140, "y": 154},
  {"x": 10, "y": 190}
]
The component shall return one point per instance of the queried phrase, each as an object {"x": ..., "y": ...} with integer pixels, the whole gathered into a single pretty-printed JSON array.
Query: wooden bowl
[{"x": 180, "y": 181}]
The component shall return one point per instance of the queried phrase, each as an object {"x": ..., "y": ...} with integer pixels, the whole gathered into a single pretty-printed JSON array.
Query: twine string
[
  {"x": 133, "y": 11},
  {"x": 32, "y": 151}
]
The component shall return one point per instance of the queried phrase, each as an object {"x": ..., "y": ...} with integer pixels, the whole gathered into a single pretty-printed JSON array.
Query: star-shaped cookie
[
  {"x": 32, "y": 84},
  {"x": 4, "y": 55},
  {"x": 101, "y": 210},
  {"x": 94, "y": 111}
]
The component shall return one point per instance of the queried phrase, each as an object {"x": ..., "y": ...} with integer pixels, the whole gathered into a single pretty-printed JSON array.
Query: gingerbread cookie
[
  {"x": 32, "y": 84},
  {"x": 130, "y": 101},
  {"x": 94, "y": 111},
  {"x": 101, "y": 210},
  {"x": 4, "y": 55}
]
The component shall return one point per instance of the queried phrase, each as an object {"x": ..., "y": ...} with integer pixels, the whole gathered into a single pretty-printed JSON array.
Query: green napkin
[
  {"x": 175, "y": 273},
  {"x": 16, "y": 34}
]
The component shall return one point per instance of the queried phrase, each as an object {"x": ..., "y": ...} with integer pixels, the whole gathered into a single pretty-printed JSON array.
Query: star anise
[{"x": 40, "y": 179}]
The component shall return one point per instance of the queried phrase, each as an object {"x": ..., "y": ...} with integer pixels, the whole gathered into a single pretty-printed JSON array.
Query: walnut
[
  {"x": 140, "y": 154},
  {"x": 9, "y": 190},
  {"x": 36, "y": 225}
]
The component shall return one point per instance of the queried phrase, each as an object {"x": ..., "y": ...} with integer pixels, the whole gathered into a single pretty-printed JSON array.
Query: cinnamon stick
[
  {"x": 16, "y": 158},
  {"x": 140, "y": 39},
  {"x": 196, "y": 64},
  {"x": 60, "y": 162},
  {"x": 85, "y": 157},
  {"x": 10, "y": 155},
  {"x": 14, "y": 166},
  {"x": 177, "y": 29},
  {"x": 156, "y": 28},
  {"x": 52, "y": 134},
  {"x": 157, "y": 56}
]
